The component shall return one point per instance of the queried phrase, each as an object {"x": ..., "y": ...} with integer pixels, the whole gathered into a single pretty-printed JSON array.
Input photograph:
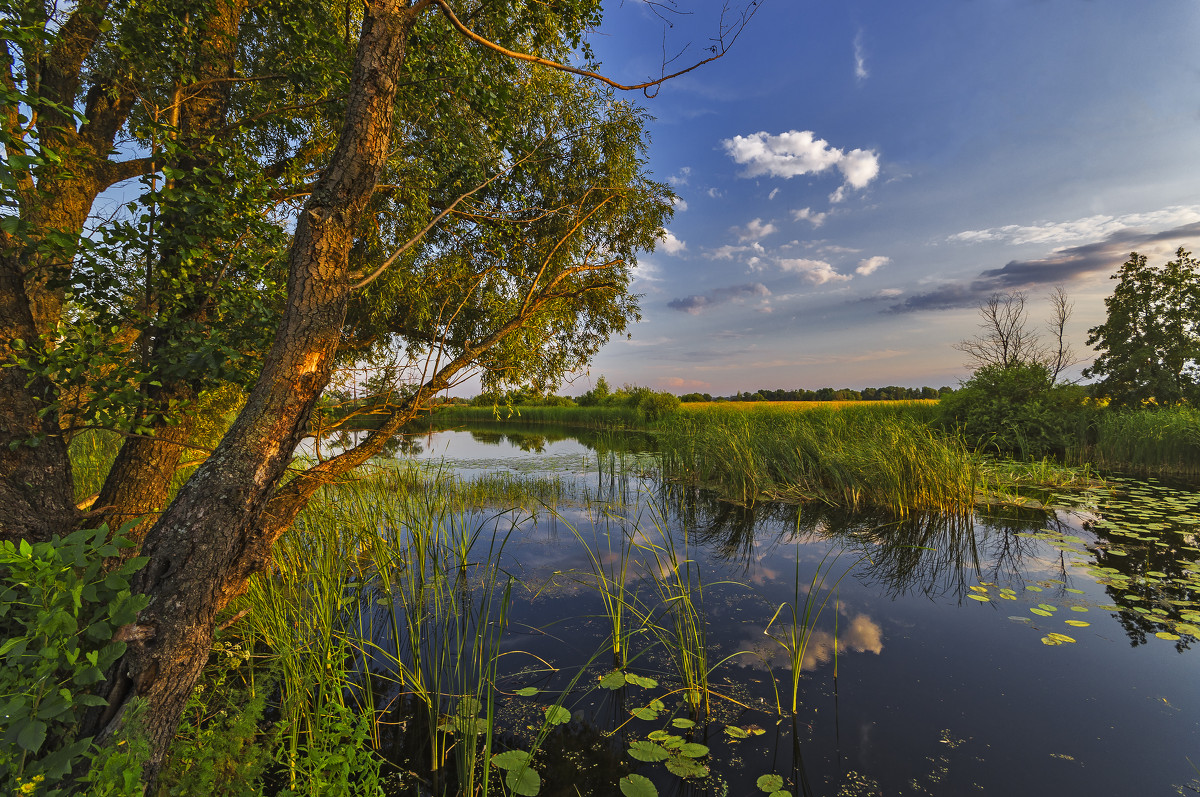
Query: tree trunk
[
  {"x": 36, "y": 490},
  {"x": 200, "y": 550},
  {"x": 139, "y": 481}
]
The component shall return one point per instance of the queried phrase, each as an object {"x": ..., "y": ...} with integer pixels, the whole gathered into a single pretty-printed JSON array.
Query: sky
[{"x": 854, "y": 177}]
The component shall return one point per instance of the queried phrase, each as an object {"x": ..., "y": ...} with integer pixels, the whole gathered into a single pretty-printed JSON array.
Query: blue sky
[{"x": 854, "y": 177}]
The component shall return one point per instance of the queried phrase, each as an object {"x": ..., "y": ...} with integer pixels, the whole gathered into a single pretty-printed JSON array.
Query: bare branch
[{"x": 726, "y": 40}]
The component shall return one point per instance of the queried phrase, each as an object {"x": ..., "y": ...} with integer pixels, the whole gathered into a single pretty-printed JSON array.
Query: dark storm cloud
[
  {"x": 698, "y": 304},
  {"x": 1063, "y": 266}
]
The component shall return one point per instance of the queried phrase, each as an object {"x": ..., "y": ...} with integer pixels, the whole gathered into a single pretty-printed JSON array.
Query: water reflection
[{"x": 933, "y": 629}]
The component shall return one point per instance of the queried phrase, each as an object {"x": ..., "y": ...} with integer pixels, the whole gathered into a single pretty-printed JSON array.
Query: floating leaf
[
  {"x": 1047, "y": 607},
  {"x": 641, "y": 680},
  {"x": 1078, "y": 623},
  {"x": 1041, "y": 612},
  {"x": 613, "y": 680},
  {"x": 1079, "y": 608},
  {"x": 770, "y": 783},
  {"x": 528, "y": 691},
  {"x": 526, "y": 782},
  {"x": 686, "y": 768},
  {"x": 1167, "y": 635},
  {"x": 647, "y": 751},
  {"x": 557, "y": 715},
  {"x": 977, "y": 597},
  {"x": 683, "y": 722},
  {"x": 694, "y": 750},
  {"x": 736, "y": 732},
  {"x": 511, "y": 759},
  {"x": 660, "y": 736},
  {"x": 637, "y": 786},
  {"x": 1033, "y": 588}
]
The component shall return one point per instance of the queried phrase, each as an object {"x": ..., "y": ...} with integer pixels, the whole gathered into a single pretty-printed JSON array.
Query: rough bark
[
  {"x": 199, "y": 548},
  {"x": 36, "y": 490},
  {"x": 139, "y": 481}
]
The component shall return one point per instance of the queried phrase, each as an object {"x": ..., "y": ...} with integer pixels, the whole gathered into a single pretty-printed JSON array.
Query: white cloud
[
  {"x": 797, "y": 153},
  {"x": 807, "y": 214},
  {"x": 871, "y": 264},
  {"x": 888, "y": 293},
  {"x": 682, "y": 177},
  {"x": 645, "y": 271},
  {"x": 860, "y": 58},
  {"x": 818, "y": 272},
  {"x": 771, "y": 195},
  {"x": 1086, "y": 229},
  {"x": 727, "y": 252},
  {"x": 714, "y": 193},
  {"x": 670, "y": 244},
  {"x": 680, "y": 203},
  {"x": 756, "y": 230}
]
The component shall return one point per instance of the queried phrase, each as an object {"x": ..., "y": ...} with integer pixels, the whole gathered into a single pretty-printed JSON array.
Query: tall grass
[
  {"x": 882, "y": 455},
  {"x": 1162, "y": 441}
]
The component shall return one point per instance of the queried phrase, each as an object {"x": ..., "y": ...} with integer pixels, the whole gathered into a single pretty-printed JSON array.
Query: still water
[{"x": 1033, "y": 652}]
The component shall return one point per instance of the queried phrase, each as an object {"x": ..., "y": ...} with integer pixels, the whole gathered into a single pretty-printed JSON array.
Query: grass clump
[{"x": 885, "y": 456}]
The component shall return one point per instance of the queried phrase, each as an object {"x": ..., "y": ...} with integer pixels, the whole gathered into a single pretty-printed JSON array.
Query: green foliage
[
  {"x": 59, "y": 611},
  {"x": 1014, "y": 410},
  {"x": 1149, "y": 345},
  {"x": 220, "y": 748}
]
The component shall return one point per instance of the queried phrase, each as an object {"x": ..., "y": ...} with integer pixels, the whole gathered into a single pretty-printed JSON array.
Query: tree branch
[{"x": 719, "y": 50}]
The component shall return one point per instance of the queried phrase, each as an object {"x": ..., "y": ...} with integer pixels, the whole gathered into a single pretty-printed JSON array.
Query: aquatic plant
[
  {"x": 857, "y": 456},
  {"x": 794, "y": 636}
]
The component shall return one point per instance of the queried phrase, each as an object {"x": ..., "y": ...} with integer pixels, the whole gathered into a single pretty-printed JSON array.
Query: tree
[
  {"x": 1006, "y": 339},
  {"x": 1149, "y": 345},
  {"x": 552, "y": 282}
]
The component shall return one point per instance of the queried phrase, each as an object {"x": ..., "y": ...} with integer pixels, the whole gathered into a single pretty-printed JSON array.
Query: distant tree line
[{"x": 889, "y": 393}]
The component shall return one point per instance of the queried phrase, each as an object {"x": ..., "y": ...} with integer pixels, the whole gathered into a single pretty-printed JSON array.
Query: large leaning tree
[
  {"x": 318, "y": 180},
  {"x": 1148, "y": 348}
]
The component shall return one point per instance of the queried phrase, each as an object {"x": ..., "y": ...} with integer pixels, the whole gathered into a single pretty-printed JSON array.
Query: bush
[
  {"x": 59, "y": 610},
  {"x": 1015, "y": 411}
]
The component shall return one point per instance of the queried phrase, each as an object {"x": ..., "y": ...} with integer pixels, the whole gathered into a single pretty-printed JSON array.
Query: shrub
[
  {"x": 59, "y": 610},
  {"x": 1014, "y": 410}
]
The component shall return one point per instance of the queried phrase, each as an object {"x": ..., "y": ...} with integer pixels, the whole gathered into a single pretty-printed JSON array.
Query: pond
[{"x": 1029, "y": 652}]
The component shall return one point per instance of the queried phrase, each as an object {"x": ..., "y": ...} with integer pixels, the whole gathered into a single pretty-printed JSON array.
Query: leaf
[
  {"x": 647, "y": 751},
  {"x": 32, "y": 735},
  {"x": 769, "y": 783},
  {"x": 683, "y": 722},
  {"x": 693, "y": 750},
  {"x": 557, "y": 715},
  {"x": 613, "y": 680},
  {"x": 527, "y": 782},
  {"x": 686, "y": 768},
  {"x": 1078, "y": 623},
  {"x": 528, "y": 691},
  {"x": 637, "y": 786},
  {"x": 1167, "y": 635},
  {"x": 641, "y": 680},
  {"x": 511, "y": 759},
  {"x": 976, "y": 597},
  {"x": 738, "y": 733}
]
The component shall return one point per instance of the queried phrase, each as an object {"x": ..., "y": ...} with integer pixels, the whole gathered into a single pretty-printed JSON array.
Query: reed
[
  {"x": 803, "y": 613},
  {"x": 880, "y": 455},
  {"x": 612, "y": 578},
  {"x": 1162, "y": 441}
]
